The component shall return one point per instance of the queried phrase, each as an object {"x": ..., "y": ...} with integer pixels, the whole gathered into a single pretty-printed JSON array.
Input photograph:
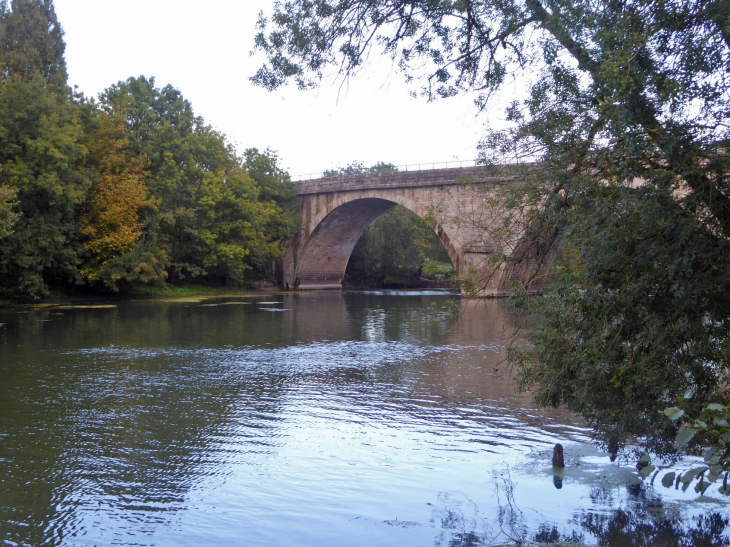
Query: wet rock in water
[
  {"x": 558, "y": 481},
  {"x": 558, "y": 456}
]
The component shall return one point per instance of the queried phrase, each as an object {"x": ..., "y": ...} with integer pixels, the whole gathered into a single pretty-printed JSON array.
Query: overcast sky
[{"x": 202, "y": 49}]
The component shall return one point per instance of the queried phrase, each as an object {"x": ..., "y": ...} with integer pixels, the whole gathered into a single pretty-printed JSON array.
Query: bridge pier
[{"x": 476, "y": 263}]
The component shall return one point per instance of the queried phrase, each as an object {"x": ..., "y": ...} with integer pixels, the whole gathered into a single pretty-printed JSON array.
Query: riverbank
[
  {"x": 61, "y": 297},
  {"x": 203, "y": 291}
]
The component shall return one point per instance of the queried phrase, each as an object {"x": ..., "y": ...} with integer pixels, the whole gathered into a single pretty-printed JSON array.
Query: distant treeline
[
  {"x": 126, "y": 190},
  {"x": 398, "y": 250}
]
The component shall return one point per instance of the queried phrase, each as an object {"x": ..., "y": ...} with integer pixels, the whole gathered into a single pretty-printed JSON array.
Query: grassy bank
[
  {"x": 62, "y": 296},
  {"x": 188, "y": 291}
]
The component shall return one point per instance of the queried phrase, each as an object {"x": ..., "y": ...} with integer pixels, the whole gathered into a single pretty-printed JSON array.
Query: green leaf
[
  {"x": 668, "y": 479},
  {"x": 710, "y": 453},
  {"x": 645, "y": 459},
  {"x": 715, "y": 407},
  {"x": 673, "y": 413},
  {"x": 701, "y": 486},
  {"x": 725, "y": 489},
  {"x": 715, "y": 472},
  {"x": 692, "y": 473},
  {"x": 684, "y": 436},
  {"x": 647, "y": 470}
]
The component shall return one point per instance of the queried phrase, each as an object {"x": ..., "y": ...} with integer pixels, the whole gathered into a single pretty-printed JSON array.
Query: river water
[{"x": 315, "y": 419}]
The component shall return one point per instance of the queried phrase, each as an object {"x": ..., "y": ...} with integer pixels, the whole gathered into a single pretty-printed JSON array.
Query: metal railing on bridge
[{"x": 456, "y": 164}]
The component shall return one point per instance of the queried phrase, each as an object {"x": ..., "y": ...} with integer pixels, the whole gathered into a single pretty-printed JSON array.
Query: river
[{"x": 313, "y": 419}]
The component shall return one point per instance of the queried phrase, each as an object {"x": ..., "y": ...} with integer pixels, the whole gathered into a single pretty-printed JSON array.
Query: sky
[{"x": 203, "y": 49}]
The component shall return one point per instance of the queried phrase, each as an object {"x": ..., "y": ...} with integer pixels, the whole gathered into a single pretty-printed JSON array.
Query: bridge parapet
[{"x": 397, "y": 179}]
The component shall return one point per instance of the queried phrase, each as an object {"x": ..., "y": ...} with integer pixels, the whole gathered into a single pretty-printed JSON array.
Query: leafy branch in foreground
[
  {"x": 635, "y": 316},
  {"x": 710, "y": 429}
]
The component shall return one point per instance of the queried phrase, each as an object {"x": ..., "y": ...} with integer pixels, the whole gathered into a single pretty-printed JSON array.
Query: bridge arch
[
  {"x": 332, "y": 233},
  {"x": 335, "y": 211}
]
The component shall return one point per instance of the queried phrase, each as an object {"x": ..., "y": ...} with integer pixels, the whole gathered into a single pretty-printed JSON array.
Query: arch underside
[
  {"x": 324, "y": 259},
  {"x": 328, "y": 249}
]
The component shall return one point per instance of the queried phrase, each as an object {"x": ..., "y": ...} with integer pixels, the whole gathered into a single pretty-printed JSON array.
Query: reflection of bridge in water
[{"x": 337, "y": 210}]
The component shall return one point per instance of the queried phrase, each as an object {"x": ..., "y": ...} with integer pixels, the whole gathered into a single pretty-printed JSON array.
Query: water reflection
[
  {"x": 645, "y": 521},
  {"x": 375, "y": 418},
  {"x": 624, "y": 529}
]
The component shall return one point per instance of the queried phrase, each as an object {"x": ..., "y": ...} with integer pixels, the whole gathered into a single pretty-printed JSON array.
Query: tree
[
  {"x": 31, "y": 42},
  {"x": 162, "y": 128},
  {"x": 358, "y": 168},
  {"x": 275, "y": 188},
  {"x": 213, "y": 220},
  {"x": 40, "y": 147},
  {"x": 635, "y": 318},
  {"x": 112, "y": 225},
  {"x": 136, "y": 189},
  {"x": 393, "y": 250},
  {"x": 625, "y": 121}
]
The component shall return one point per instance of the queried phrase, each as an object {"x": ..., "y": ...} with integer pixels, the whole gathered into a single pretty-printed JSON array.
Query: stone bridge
[{"x": 336, "y": 211}]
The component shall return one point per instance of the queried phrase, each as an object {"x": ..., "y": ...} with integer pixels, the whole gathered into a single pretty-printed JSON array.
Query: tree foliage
[
  {"x": 40, "y": 145},
  {"x": 635, "y": 317},
  {"x": 624, "y": 125},
  {"x": 40, "y": 136},
  {"x": 359, "y": 168},
  {"x": 711, "y": 428},
  {"x": 8, "y": 215},
  {"x": 129, "y": 190},
  {"x": 111, "y": 223},
  {"x": 31, "y": 42},
  {"x": 275, "y": 188},
  {"x": 214, "y": 220}
]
